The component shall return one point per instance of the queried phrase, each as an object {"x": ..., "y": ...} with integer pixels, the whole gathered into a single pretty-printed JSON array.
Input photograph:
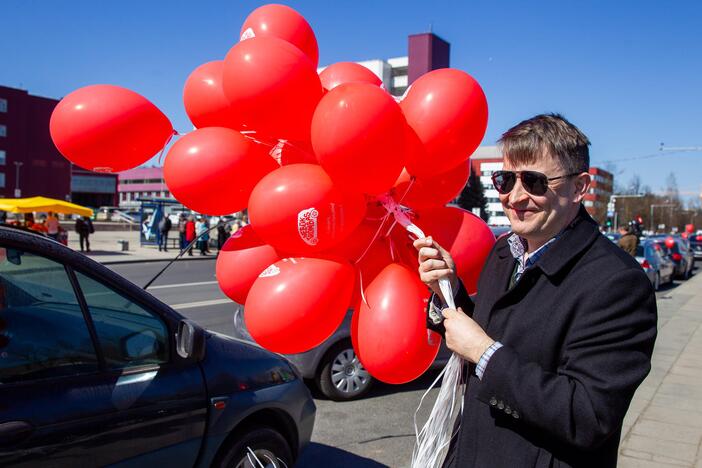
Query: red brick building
[{"x": 599, "y": 194}]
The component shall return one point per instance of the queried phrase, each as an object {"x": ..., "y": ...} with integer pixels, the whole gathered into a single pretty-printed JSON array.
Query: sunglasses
[{"x": 534, "y": 182}]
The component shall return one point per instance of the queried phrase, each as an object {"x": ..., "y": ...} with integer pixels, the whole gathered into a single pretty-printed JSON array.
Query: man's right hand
[{"x": 435, "y": 263}]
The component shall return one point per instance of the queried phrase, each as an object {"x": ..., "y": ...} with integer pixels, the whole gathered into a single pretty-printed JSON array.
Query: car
[
  {"x": 613, "y": 236},
  {"x": 333, "y": 366},
  {"x": 498, "y": 231},
  {"x": 696, "y": 245},
  {"x": 680, "y": 253},
  {"x": 96, "y": 371},
  {"x": 659, "y": 269}
]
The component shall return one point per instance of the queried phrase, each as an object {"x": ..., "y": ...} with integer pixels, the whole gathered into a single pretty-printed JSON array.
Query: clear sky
[{"x": 628, "y": 73}]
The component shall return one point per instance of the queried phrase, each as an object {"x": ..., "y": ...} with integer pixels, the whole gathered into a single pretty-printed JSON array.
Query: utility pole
[
  {"x": 18, "y": 192},
  {"x": 611, "y": 206}
]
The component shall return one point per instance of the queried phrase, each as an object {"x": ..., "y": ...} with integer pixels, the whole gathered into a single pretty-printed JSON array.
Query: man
[
  {"x": 52, "y": 225},
  {"x": 84, "y": 227},
  {"x": 561, "y": 331},
  {"x": 628, "y": 241},
  {"x": 164, "y": 226}
]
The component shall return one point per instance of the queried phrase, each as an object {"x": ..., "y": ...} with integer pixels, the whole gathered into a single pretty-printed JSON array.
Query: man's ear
[{"x": 582, "y": 185}]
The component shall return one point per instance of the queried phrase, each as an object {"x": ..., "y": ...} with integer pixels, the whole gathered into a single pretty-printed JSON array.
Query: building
[
  {"x": 599, "y": 194},
  {"x": 426, "y": 52},
  {"x": 30, "y": 164},
  {"x": 139, "y": 183}
]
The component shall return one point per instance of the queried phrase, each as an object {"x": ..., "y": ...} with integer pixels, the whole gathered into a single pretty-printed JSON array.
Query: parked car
[
  {"x": 680, "y": 253},
  {"x": 333, "y": 366},
  {"x": 696, "y": 245},
  {"x": 96, "y": 371},
  {"x": 658, "y": 267}
]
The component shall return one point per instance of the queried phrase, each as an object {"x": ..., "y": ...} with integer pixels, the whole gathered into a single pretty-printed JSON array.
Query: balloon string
[
  {"x": 409, "y": 186},
  {"x": 168, "y": 140}
]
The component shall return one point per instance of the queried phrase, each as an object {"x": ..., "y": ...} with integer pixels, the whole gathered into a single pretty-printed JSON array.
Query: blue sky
[{"x": 628, "y": 73}]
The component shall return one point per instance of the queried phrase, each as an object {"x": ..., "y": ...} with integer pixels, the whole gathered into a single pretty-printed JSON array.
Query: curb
[{"x": 152, "y": 260}]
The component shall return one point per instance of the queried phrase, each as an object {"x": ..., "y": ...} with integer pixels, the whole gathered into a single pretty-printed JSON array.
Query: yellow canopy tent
[{"x": 42, "y": 204}]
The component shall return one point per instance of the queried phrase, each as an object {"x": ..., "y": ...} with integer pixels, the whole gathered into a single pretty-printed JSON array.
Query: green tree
[{"x": 473, "y": 196}]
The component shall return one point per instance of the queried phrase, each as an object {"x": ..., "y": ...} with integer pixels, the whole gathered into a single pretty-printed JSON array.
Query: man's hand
[
  {"x": 464, "y": 336},
  {"x": 435, "y": 263}
]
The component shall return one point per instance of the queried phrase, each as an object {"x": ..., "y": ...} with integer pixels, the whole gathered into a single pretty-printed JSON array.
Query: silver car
[{"x": 658, "y": 266}]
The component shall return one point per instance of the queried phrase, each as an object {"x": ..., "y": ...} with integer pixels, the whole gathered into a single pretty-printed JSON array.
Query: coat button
[
  {"x": 508, "y": 410},
  {"x": 515, "y": 415},
  {"x": 493, "y": 401},
  {"x": 500, "y": 405}
]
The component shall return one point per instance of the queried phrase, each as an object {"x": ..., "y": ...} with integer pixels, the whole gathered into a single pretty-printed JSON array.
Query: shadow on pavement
[{"x": 316, "y": 455}]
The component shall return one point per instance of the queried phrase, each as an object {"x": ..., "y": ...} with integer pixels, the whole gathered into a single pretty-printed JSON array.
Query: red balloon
[
  {"x": 241, "y": 259},
  {"x": 392, "y": 339},
  {"x": 359, "y": 241},
  {"x": 297, "y": 303},
  {"x": 204, "y": 99},
  {"x": 358, "y": 134},
  {"x": 347, "y": 72},
  {"x": 284, "y": 23},
  {"x": 293, "y": 152},
  {"x": 213, "y": 170},
  {"x": 669, "y": 242},
  {"x": 464, "y": 235},
  {"x": 297, "y": 209},
  {"x": 105, "y": 128},
  {"x": 685, "y": 235},
  {"x": 432, "y": 191},
  {"x": 448, "y": 110},
  {"x": 690, "y": 228},
  {"x": 273, "y": 85}
]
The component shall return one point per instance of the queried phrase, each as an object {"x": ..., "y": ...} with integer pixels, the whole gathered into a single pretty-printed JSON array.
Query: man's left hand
[{"x": 464, "y": 336}]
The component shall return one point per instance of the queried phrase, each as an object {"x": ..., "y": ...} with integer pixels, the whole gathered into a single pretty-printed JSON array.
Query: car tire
[
  {"x": 657, "y": 282},
  {"x": 342, "y": 377},
  {"x": 267, "y": 444}
]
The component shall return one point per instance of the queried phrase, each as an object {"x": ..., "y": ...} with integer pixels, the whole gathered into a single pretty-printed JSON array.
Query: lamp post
[{"x": 18, "y": 192}]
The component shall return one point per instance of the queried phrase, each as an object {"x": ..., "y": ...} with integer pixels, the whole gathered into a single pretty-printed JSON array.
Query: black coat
[{"x": 578, "y": 331}]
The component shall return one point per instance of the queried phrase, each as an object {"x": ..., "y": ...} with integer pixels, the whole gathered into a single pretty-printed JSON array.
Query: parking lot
[{"x": 379, "y": 430}]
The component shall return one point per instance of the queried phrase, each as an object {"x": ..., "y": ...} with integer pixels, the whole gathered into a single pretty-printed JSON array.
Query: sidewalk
[
  {"x": 663, "y": 427},
  {"x": 106, "y": 249}
]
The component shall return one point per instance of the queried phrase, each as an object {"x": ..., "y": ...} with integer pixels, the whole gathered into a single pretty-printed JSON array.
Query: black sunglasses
[{"x": 534, "y": 182}]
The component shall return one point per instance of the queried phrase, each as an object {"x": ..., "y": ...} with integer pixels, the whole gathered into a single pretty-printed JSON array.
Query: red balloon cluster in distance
[{"x": 314, "y": 158}]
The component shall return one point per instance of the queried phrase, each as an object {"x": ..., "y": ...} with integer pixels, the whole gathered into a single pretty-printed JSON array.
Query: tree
[{"x": 473, "y": 196}]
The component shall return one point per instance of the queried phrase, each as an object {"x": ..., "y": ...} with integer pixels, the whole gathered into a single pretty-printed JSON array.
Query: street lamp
[{"x": 18, "y": 192}]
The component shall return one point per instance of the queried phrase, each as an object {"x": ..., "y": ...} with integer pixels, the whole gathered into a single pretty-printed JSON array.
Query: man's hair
[{"x": 531, "y": 139}]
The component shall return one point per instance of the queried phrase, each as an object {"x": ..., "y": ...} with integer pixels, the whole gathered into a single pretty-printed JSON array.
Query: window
[
  {"x": 129, "y": 335},
  {"x": 2, "y": 180},
  {"x": 3, "y": 157},
  {"x": 3, "y": 105},
  {"x": 3, "y": 130},
  {"x": 42, "y": 330}
]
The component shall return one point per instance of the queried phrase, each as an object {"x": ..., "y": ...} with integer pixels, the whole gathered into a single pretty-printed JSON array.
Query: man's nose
[{"x": 518, "y": 193}]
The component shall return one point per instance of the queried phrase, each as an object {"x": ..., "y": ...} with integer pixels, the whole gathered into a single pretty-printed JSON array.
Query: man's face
[{"x": 537, "y": 218}]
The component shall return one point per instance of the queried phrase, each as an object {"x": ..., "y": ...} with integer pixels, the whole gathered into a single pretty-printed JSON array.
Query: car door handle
[{"x": 13, "y": 432}]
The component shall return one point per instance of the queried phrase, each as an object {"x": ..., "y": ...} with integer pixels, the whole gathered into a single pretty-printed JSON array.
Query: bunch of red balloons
[{"x": 309, "y": 155}]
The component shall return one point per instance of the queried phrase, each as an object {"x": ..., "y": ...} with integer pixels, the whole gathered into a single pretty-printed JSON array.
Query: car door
[{"x": 89, "y": 379}]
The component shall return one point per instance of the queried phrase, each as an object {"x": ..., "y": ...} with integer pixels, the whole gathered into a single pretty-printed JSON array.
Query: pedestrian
[
  {"x": 628, "y": 241},
  {"x": 164, "y": 226},
  {"x": 52, "y": 225},
  {"x": 202, "y": 237},
  {"x": 182, "y": 222},
  {"x": 190, "y": 234},
  {"x": 561, "y": 330},
  {"x": 222, "y": 234},
  {"x": 84, "y": 227}
]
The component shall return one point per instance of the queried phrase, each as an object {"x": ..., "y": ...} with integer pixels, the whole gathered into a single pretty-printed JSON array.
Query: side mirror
[{"x": 190, "y": 340}]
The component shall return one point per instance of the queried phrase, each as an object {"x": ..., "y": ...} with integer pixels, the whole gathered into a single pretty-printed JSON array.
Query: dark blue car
[{"x": 95, "y": 371}]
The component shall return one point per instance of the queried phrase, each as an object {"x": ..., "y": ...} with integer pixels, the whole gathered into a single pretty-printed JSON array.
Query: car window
[
  {"x": 129, "y": 335},
  {"x": 639, "y": 251},
  {"x": 42, "y": 329}
]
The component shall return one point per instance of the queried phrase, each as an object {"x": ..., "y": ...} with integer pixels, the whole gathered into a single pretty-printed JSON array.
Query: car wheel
[
  {"x": 657, "y": 282},
  {"x": 255, "y": 448},
  {"x": 342, "y": 376}
]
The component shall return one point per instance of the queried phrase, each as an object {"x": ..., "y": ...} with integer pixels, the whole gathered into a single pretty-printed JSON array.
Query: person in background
[
  {"x": 52, "y": 225},
  {"x": 628, "y": 241},
  {"x": 200, "y": 230},
  {"x": 39, "y": 226},
  {"x": 190, "y": 233},
  {"x": 164, "y": 226},
  {"x": 223, "y": 231},
  {"x": 84, "y": 227},
  {"x": 182, "y": 222}
]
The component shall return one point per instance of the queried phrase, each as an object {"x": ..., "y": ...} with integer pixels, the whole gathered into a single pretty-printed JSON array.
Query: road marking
[
  {"x": 181, "y": 285},
  {"x": 190, "y": 305}
]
